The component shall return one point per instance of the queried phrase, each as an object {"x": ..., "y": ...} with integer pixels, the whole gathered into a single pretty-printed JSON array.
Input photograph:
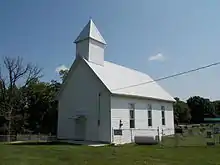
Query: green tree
[
  {"x": 181, "y": 112},
  {"x": 42, "y": 107},
  {"x": 63, "y": 74},
  {"x": 216, "y": 104},
  {"x": 16, "y": 74},
  {"x": 200, "y": 108}
]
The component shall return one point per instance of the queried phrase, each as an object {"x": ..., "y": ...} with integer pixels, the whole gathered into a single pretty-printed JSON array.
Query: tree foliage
[
  {"x": 12, "y": 98},
  {"x": 181, "y": 112},
  {"x": 41, "y": 106},
  {"x": 26, "y": 103},
  {"x": 216, "y": 105},
  {"x": 63, "y": 74},
  {"x": 200, "y": 108}
]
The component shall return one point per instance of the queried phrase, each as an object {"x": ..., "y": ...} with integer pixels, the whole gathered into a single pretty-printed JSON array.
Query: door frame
[{"x": 85, "y": 125}]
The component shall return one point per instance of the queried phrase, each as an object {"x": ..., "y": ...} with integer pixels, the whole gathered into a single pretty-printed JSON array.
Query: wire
[{"x": 171, "y": 76}]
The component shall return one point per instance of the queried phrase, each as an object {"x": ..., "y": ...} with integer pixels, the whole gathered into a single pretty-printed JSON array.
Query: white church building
[{"x": 101, "y": 101}]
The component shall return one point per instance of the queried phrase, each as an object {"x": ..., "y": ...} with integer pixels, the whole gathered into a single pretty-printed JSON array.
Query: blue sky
[{"x": 181, "y": 34}]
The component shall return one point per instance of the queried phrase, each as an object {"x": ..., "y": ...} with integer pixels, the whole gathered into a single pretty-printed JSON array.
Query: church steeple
[
  {"x": 90, "y": 44},
  {"x": 90, "y": 31}
]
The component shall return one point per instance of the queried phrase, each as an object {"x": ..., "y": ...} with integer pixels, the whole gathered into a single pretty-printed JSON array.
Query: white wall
[
  {"x": 120, "y": 111},
  {"x": 96, "y": 52},
  {"x": 80, "y": 96},
  {"x": 82, "y": 49},
  {"x": 91, "y": 50},
  {"x": 105, "y": 122}
]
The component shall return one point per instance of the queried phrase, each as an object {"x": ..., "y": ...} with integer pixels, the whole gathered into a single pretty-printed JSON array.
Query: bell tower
[{"x": 90, "y": 44}]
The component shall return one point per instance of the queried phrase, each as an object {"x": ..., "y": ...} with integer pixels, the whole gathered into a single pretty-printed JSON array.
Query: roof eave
[
  {"x": 142, "y": 97},
  {"x": 80, "y": 40},
  {"x": 106, "y": 87}
]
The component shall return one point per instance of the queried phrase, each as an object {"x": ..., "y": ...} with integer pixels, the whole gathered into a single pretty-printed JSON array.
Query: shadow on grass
[
  {"x": 146, "y": 144},
  {"x": 188, "y": 147},
  {"x": 43, "y": 143}
]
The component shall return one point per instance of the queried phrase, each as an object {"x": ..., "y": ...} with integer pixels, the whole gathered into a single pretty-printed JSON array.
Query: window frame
[
  {"x": 131, "y": 107},
  {"x": 149, "y": 117},
  {"x": 163, "y": 116}
]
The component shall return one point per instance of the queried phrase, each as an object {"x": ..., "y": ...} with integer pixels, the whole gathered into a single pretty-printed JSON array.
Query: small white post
[
  {"x": 112, "y": 135},
  {"x": 158, "y": 134},
  {"x": 162, "y": 133}
]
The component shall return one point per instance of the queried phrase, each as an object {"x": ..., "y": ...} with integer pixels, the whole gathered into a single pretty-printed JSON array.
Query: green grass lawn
[{"x": 123, "y": 155}]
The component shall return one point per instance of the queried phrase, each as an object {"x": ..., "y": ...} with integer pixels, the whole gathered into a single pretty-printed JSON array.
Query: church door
[{"x": 80, "y": 128}]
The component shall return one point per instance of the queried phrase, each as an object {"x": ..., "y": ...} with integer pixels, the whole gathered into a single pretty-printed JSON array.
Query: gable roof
[
  {"x": 90, "y": 31},
  {"x": 78, "y": 60},
  {"x": 118, "y": 78}
]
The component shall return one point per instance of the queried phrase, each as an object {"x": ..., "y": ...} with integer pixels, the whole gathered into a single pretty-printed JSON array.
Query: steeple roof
[{"x": 90, "y": 31}]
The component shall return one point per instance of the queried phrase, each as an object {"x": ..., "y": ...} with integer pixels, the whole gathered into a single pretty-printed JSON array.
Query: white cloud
[
  {"x": 157, "y": 57},
  {"x": 61, "y": 67}
]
